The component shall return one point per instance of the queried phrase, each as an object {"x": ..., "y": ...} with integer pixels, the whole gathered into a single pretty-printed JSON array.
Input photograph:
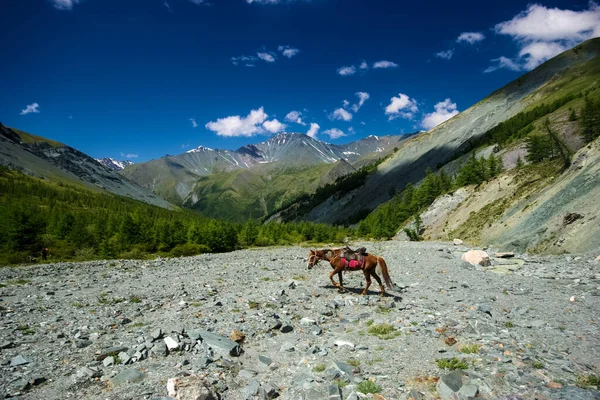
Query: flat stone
[
  {"x": 89, "y": 372},
  {"x": 251, "y": 389},
  {"x": 111, "y": 350},
  {"x": 19, "y": 360},
  {"x": 457, "y": 242},
  {"x": 287, "y": 347},
  {"x": 221, "y": 344},
  {"x": 159, "y": 348},
  {"x": 449, "y": 384},
  {"x": 342, "y": 343},
  {"x": 307, "y": 322},
  {"x": 316, "y": 330},
  {"x": 194, "y": 334},
  {"x": 468, "y": 391},
  {"x": 344, "y": 368},
  {"x": 156, "y": 334},
  {"x": 335, "y": 392},
  {"x": 128, "y": 376},
  {"x": 108, "y": 361},
  {"x": 265, "y": 360}
]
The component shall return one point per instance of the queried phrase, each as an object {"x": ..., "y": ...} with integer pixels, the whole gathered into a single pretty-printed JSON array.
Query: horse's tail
[{"x": 385, "y": 272}]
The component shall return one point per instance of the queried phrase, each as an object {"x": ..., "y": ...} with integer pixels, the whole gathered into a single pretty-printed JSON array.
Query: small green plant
[
  {"x": 366, "y": 387},
  {"x": 25, "y": 329},
  {"x": 469, "y": 349},
  {"x": 509, "y": 325},
  {"x": 383, "y": 310},
  {"x": 252, "y": 304},
  {"x": 319, "y": 368},
  {"x": 369, "y": 322},
  {"x": 340, "y": 383},
  {"x": 414, "y": 323},
  {"x": 135, "y": 299},
  {"x": 18, "y": 282},
  {"x": 103, "y": 299},
  {"x": 587, "y": 381},
  {"x": 300, "y": 277},
  {"x": 354, "y": 362},
  {"x": 451, "y": 363},
  {"x": 198, "y": 304},
  {"x": 266, "y": 279},
  {"x": 137, "y": 325},
  {"x": 538, "y": 365},
  {"x": 383, "y": 331},
  {"x": 78, "y": 304},
  {"x": 2, "y": 285}
]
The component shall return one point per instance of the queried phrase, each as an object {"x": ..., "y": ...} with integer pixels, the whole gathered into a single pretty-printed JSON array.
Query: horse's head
[{"x": 313, "y": 258}]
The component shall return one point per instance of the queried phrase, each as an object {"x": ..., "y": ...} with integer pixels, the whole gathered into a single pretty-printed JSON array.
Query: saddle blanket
[{"x": 353, "y": 264}]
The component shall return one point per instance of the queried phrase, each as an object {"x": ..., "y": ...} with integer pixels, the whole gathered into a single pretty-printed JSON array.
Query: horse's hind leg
[
  {"x": 368, "y": 279},
  {"x": 378, "y": 279}
]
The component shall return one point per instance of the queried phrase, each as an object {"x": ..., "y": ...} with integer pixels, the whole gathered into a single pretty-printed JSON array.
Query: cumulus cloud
[
  {"x": 268, "y": 57},
  {"x": 341, "y": 114},
  {"x": 447, "y": 54},
  {"x": 402, "y": 106},
  {"x": 274, "y": 126},
  {"x": 64, "y": 4},
  {"x": 31, "y": 108},
  {"x": 239, "y": 126},
  {"x": 295, "y": 117},
  {"x": 346, "y": 71},
  {"x": 364, "y": 65},
  {"x": 248, "y": 61},
  {"x": 334, "y": 133},
  {"x": 314, "y": 129},
  {"x": 543, "y": 32},
  {"x": 362, "y": 97},
  {"x": 385, "y": 64},
  {"x": 194, "y": 123},
  {"x": 288, "y": 51},
  {"x": 129, "y": 155},
  {"x": 444, "y": 110},
  {"x": 470, "y": 37}
]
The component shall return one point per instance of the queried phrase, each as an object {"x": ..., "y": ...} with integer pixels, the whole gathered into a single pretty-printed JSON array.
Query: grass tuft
[
  {"x": 383, "y": 331},
  {"x": 469, "y": 348},
  {"x": 451, "y": 363},
  {"x": 367, "y": 387}
]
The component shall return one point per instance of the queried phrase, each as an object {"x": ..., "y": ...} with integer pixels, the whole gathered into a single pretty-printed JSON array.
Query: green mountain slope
[{"x": 569, "y": 73}]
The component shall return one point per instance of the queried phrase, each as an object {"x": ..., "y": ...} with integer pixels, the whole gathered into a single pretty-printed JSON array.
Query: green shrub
[
  {"x": 383, "y": 331},
  {"x": 319, "y": 368},
  {"x": 366, "y": 387},
  {"x": 469, "y": 349},
  {"x": 451, "y": 363},
  {"x": 189, "y": 249}
]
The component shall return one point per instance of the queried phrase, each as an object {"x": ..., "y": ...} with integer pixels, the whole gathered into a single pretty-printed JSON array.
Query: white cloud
[
  {"x": 345, "y": 103},
  {"x": 385, "y": 64},
  {"x": 31, "y": 108},
  {"x": 295, "y": 117},
  {"x": 64, "y": 4},
  {"x": 362, "y": 97},
  {"x": 364, "y": 65},
  {"x": 248, "y": 61},
  {"x": 401, "y": 106},
  {"x": 239, "y": 126},
  {"x": 167, "y": 5},
  {"x": 334, "y": 133},
  {"x": 194, "y": 123},
  {"x": 268, "y": 57},
  {"x": 288, "y": 51},
  {"x": 263, "y": 1},
  {"x": 543, "y": 33},
  {"x": 274, "y": 126},
  {"x": 341, "y": 114},
  {"x": 470, "y": 37},
  {"x": 199, "y": 2},
  {"x": 447, "y": 54},
  {"x": 129, "y": 155},
  {"x": 346, "y": 71},
  {"x": 314, "y": 129},
  {"x": 444, "y": 110}
]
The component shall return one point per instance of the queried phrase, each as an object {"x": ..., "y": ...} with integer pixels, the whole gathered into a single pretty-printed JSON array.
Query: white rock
[
  {"x": 171, "y": 343},
  {"x": 572, "y": 299},
  {"x": 341, "y": 343},
  {"x": 307, "y": 321},
  {"x": 171, "y": 387},
  {"x": 476, "y": 257},
  {"x": 457, "y": 242}
]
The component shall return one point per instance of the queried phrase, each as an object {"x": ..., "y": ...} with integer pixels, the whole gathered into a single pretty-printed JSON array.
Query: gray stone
[
  {"x": 160, "y": 349},
  {"x": 344, "y": 368},
  {"x": 19, "y": 360},
  {"x": 416, "y": 395},
  {"x": 316, "y": 330},
  {"x": 7, "y": 345},
  {"x": 156, "y": 334},
  {"x": 265, "y": 360},
  {"x": 449, "y": 384},
  {"x": 286, "y": 327},
  {"x": 108, "y": 361},
  {"x": 82, "y": 343},
  {"x": 89, "y": 372},
  {"x": 127, "y": 376},
  {"x": 251, "y": 389},
  {"x": 124, "y": 357},
  {"x": 245, "y": 374},
  {"x": 467, "y": 391},
  {"x": 335, "y": 392},
  {"x": 110, "y": 351},
  {"x": 221, "y": 344},
  {"x": 194, "y": 335}
]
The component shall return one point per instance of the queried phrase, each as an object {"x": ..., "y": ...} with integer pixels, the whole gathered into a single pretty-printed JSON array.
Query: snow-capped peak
[
  {"x": 199, "y": 149},
  {"x": 115, "y": 165}
]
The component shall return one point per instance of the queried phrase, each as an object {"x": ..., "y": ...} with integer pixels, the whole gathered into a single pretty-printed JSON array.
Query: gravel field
[{"x": 526, "y": 327}]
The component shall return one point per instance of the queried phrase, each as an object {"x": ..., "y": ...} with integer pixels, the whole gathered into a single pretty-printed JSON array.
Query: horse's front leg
[
  {"x": 341, "y": 281},
  {"x": 334, "y": 283}
]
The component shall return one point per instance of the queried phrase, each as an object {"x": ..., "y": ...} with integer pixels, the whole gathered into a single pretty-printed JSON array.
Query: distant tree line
[{"x": 77, "y": 224}]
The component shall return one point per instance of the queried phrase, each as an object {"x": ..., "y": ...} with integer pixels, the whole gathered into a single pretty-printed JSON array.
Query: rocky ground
[{"x": 524, "y": 328}]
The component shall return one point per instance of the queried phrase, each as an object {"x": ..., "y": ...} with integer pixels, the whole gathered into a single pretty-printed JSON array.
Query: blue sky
[{"x": 139, "y": 79}]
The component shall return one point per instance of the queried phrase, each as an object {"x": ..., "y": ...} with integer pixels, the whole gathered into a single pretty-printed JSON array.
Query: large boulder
[{"x": 476, "y": 257}]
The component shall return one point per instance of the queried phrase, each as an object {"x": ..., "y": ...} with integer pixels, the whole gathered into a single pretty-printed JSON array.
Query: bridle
[{"x": 315, "y": 260}]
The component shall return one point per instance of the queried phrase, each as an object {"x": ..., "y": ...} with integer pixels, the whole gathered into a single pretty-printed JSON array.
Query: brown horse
[{"x": 334, "y": 256}]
